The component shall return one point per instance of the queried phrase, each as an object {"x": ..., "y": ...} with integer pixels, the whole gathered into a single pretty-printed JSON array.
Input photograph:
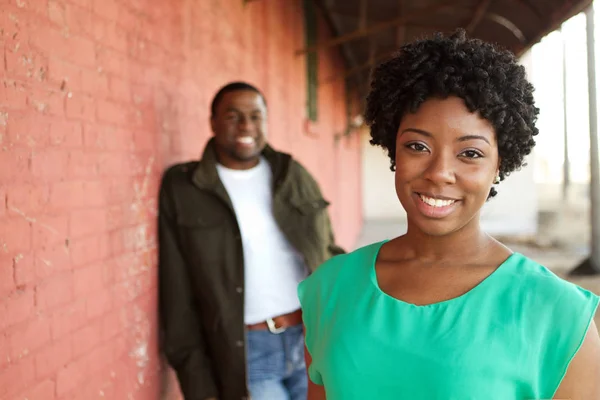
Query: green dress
[{"x": 511, "y": 337}]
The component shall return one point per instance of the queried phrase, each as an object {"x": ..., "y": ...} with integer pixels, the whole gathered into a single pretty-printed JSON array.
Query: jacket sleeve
[
  {"x": 183, "y": 341},
  {"x": 334, "y": 249}
]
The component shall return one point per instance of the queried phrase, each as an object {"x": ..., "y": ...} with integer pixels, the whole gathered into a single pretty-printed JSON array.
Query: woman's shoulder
[
  {"x": 341, "y": 268},
  {"x": 531, "y": 284}
]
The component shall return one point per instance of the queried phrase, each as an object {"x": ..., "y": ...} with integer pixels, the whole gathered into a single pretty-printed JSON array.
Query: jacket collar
[{"x": 205, "y": 176}]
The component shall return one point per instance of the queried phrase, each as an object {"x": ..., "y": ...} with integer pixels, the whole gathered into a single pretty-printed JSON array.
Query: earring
[{"x": 497, "y": 180}]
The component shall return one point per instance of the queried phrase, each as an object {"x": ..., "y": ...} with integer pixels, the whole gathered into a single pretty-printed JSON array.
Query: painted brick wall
[{"x": 97, "y": 97}]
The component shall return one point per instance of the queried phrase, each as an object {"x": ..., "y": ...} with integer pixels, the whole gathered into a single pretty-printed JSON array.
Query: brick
[
  {"x": 80, "y": 107},
  {"x": 68, "y": 319},
  {"x": 54, "y": 291},
  {"x": 27, "y": 130},
  {"x": 44, "y": 390},
  {"x": 27, "y": 198},
  {"x": 67, "y": 195},
  {"x": 113, "y": 113},
  {"x": 120, "y": 89},
  {"x": 89, "y": 250},
  {"x": 108, "y": 9},
  {"x": 51, "y": 260},
  {"x": 111, "y": 61},
  {"x": 64, "y": 74},
  {"x": 50, "y": 230},
  {"x": 121, "y": 190},
  {"x": 100, "y": 386},
  {"x": 26, "y": 63},
  {"x": 87, "y": 4},
  {"x": 16, "y": 308},
  {"x": 78, "y": 19},
  {"x": 50, "y": 163},
  {"x": 3, "y": 201},
  {"x": 11, "y": 161},
  {"x": 46, "y": 102},
  {"x": 13, "y": 95},
  {"x": 98, "y": 358},
  {"x": 110, "y": 34},
  {"x": 87, "y": 338},
  {"x": 24, "y": 269},
  {"x": 83, "y": 165},
  {"x": 94, "y": 83},
  {"x": 78, "y": 194},
  {"x": 107, "y": 137},
  {"x": 4, "y": 352},
  {"x": 57, "y": 12},
  {"x": 65, "y": 46},
  {"x": 112, "y": 325},
  {"x": 88, "y": 280},
  {"x": 7, "y": 281},
  {"x": 99, "y": 303},
  {"x": 37, "y": 6},
  {"x": 26, "y": 338},
  {"x": 87, "y": 222},
  {"x": 130, "y": 19},
  {"x": 16, "y": 377},
  {"x": 66, "y": 133},
  {"x": 112, "y": 164},
  {"x": 54, "y": 357},
  {"x": 71, "y": 376},
  {"x": 15, "y": 235}
]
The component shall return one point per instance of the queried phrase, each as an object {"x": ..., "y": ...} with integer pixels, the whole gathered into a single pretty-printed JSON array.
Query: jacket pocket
[{"x": 309, "y": 207}]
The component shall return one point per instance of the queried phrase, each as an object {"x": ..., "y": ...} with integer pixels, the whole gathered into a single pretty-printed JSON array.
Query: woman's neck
[{"x": 468, "y": 242}]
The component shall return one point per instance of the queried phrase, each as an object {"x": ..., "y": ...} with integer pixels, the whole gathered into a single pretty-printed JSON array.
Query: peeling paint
[
  {"x": 48, "y": 263},
  {"x": 3, "y": 118},
  {"x": 33, "y": 220}
]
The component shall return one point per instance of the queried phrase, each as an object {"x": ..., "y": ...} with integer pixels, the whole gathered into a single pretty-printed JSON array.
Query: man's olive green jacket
[{"x": 201, "y": 266}]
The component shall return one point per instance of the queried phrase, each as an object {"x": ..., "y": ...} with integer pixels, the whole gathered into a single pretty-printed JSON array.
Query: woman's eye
[
  {"x": 471, "y": 154},
  {"x": 417, "y": 147}
]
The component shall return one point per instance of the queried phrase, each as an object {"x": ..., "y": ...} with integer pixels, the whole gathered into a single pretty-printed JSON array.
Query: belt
[{"x": 278, "y": 324}]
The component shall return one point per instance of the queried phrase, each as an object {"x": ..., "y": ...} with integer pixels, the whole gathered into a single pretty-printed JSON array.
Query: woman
[{"x": 445, "y": 311}]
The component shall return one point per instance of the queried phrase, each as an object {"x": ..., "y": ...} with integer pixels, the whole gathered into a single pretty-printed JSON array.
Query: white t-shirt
[{"x": 273, "y": 268}]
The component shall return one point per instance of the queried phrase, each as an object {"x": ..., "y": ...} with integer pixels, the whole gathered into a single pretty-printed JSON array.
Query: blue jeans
[{"x": 276, "y": 367}]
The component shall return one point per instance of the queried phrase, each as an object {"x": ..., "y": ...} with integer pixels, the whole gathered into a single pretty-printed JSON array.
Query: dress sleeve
[
  {"x": 308, "y": 294},
  {"x": 573, "y": 314}
]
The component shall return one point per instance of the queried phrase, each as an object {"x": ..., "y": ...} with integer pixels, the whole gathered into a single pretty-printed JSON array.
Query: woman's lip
[{"x": 432, "y": 211}]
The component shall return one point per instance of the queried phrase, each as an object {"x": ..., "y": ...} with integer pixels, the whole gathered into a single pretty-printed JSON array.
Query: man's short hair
[{"x": 232, "y": 87}]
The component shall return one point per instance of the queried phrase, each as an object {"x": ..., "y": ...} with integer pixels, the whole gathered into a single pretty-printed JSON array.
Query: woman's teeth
[{"x": 436, "y": 202}]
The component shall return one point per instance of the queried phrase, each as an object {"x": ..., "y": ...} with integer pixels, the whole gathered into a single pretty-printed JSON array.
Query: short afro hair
[
  {"x": 232, "y": 87},
  {"x": 488, "y": 79}
]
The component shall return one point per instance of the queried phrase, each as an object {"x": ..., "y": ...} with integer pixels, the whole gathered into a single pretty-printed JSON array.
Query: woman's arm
[
  {"x": 315, "y": 392},
  {"x": 582, "y": 380}
]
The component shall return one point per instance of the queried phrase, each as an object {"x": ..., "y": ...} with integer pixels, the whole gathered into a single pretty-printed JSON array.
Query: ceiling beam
[
  {"x": 362, "y": 19},
  {"x": 401, "y": 30},
  {"x": 375, "y": 58},
  {"x": 508, "y": 24},
  {"x": 478, "y": 15},
  {"x": 361, "y": 33}
]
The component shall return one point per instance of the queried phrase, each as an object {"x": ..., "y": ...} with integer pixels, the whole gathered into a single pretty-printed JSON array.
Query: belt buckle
[{"x": 272, "y": 328}]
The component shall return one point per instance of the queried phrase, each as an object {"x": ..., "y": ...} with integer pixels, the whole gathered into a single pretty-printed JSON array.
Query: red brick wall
[{"x": 97, "y": 97}]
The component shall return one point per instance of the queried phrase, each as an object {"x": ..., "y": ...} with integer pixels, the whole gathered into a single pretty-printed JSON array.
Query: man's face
[{"x": 240, "y": 128}]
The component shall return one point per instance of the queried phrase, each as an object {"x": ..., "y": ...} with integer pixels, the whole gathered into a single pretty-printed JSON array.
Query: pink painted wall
[{"x": 97, "y": 97}]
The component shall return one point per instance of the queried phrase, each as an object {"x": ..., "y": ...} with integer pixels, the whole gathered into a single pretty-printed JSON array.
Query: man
[{"x": 238, "y": 231}]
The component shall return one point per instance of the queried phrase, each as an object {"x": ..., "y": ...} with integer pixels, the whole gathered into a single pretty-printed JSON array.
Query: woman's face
[{"x": 446, "y": 163}]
